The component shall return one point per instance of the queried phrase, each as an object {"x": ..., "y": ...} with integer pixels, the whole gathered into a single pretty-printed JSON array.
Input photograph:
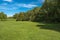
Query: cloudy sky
[{"x": 10, "y": 7}]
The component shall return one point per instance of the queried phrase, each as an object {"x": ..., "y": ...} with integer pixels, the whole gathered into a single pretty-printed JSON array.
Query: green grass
[{"x": 12, "y": 30}]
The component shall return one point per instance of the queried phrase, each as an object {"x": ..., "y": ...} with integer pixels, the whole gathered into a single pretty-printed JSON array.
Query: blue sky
[{"x": 10, "y": 7}]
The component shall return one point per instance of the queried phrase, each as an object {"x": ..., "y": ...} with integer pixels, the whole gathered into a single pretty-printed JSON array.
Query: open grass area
[{"x": 12, "y": 30}]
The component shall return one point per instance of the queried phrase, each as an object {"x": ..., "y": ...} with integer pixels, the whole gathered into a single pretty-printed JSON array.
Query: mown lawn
[{"x": 12, "y": 30}]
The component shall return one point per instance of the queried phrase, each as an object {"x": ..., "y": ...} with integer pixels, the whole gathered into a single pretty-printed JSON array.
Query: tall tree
[
  {"x": 51, "y": 9},
  {"x": 20, "y": 16},
  {"x": 3, "y": 16},
  {"x": 15, "y": 15}
]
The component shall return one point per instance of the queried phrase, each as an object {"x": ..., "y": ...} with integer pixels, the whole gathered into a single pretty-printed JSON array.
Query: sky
[{"x": 10, "y": 7}]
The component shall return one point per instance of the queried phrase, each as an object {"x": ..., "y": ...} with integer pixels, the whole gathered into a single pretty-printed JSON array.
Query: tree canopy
[{"x": 3, "y": 16}]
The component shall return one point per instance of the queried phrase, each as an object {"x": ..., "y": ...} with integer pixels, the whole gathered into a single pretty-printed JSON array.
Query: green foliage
[
  {"x": 51, "y": 8},
  {"x": 3, "y": 16},
  {"x": 15, "y": 15},
  {"x": 49, "y": 12},
  {"x": 20, "y": 17}
]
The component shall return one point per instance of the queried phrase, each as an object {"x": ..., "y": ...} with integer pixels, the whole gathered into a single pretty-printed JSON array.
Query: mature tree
[
  {"x": 51, "y": 8},
  {"x": 20, "y": 16},
  {"x": 15, "y": 15},
  {"x": 49, "y": 12},
  {"x": 3, "y": 16}
]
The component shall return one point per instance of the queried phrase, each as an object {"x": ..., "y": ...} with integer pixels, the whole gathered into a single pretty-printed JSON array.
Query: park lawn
[{"x": 23, "y": 30}]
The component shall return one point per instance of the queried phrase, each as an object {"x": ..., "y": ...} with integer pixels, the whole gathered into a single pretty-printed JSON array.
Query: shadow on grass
[{"x": 55, "y": 27}]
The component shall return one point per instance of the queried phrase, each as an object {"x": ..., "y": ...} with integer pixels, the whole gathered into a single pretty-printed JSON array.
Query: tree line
[{"x": 49, "y": 12}]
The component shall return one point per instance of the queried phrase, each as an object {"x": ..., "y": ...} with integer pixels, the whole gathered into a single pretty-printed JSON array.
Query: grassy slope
[{"x": 12, "y": 30}]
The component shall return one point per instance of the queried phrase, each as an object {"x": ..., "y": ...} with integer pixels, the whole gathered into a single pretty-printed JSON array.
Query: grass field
[{"x": 12, "y": 30}]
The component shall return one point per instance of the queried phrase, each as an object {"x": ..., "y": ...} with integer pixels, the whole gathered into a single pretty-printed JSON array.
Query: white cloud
[
  {"x": 8, "y": 8},
  {"x": 8, "y": 0},
  {"x": 26, "y": 5},
  {"x": 29, "y": 5}
]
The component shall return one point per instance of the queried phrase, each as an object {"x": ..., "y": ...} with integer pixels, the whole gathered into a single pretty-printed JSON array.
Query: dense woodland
[{"x": 48, "y": 12}]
